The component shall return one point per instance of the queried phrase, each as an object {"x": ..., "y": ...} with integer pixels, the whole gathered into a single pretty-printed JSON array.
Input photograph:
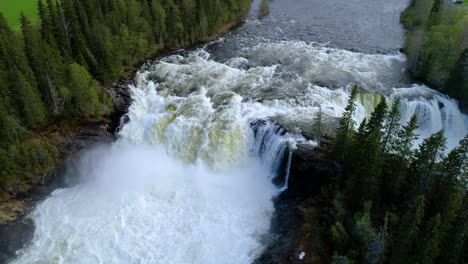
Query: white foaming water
[
  {"x": 140, "y": 206},
  {"x": 190, "y": 178}
]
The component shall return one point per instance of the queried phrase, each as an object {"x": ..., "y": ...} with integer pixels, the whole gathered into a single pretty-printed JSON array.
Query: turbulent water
[{"x": 189, "y": 179}]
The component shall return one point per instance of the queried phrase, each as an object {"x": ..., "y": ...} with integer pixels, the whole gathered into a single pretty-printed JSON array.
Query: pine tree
[
  {"x": 159, "y": 22},
  {"x": 366, "y": 163},
  {"x": 429, "y": 248},
  {"x": 391, "y": 126},
  {"x": 31, "y": 107},
  {"x": 455, "y": 242},
  {"x": 46, "y": 27},
  {"x": 421, "y": 172},
  {"x": 450, "y": 184},
  {"x": 408, "y": 233},
  {"x": 23, "y": 93},
  {"x": 346, "y": 127},
  {"x": 83, "y": 89},
  {"x": 174, "y": 24},
  {"x": 406, "y": 137}
]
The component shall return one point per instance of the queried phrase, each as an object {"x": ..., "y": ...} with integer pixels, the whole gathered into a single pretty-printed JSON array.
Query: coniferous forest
[
  {"x": 393, "y": 203},
  {"x": 55, "y": 70},
  {"x": 390, "y": 199}
]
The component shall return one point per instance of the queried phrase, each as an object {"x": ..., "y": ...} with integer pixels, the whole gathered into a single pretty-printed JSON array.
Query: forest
[
  {"x": 56, "y": 69},
  {"x": 393, "y": 203},
  {"x": 437, "y": 46}
]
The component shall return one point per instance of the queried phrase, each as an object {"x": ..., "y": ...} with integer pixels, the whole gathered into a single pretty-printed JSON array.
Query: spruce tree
[
  {"x": 422, "y": 169},
  {"x": 365, "y": 165},
  {"x": 450, "y": 184},
  {"x": 346, "y": 127},
  {"x": 29, "y": 101},
  {"x": 408, "y": 232},
  {"x": 84, "y": 100},
  {"x": 391, "y": 126},
  {"x": 405, "y": 138},
  {"x": 159, "y": 22},
  {"x": 429, "y": 246}
]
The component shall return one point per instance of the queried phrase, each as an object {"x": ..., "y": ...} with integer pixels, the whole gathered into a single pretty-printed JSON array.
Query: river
[{"x": 189, "y": 179}]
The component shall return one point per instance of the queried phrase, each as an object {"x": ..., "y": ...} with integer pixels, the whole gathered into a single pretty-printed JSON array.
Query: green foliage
[
  {"x": 435, "y": 44},
  {"x": 339, "y": 237},
  {"x": 408, "y": 233},
  {"x": 346, "y": 128},
  {"x": 19, "y": 161},
  {"x": 51, "y": 69},
  {"x": 418, "y": 196},
  {"x": 83, "y": 97}
]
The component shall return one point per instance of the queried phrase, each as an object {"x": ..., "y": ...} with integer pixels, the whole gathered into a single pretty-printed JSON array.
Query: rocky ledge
[{"x": 294, "y": 226}]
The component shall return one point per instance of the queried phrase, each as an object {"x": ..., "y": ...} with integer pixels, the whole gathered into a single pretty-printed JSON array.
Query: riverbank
[
  {"x": 69, "y": 137},
  {"x": 436, "y": 47}
]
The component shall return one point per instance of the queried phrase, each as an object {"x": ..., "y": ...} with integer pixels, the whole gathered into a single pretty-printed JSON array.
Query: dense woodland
[
  {"x": 55, "y": 70},
  {"x": 437, "y": 45},
  {"x": 393, "y": 203}
]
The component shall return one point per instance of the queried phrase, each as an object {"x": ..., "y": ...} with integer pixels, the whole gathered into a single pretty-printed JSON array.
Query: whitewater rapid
[{"x": 189, "y": 179}]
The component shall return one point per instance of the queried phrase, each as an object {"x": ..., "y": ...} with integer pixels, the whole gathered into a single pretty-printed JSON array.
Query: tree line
[
  {"x": 394, "y": 203},
  {"x": 437, "y": 46},
  {"x": 55, "y": 70}
]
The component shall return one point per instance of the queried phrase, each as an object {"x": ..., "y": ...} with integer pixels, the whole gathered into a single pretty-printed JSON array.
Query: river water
[{"x": 189, "y": 179}]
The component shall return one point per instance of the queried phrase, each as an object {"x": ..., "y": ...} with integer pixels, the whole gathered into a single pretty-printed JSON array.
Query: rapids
[{"x": 192, "y": 174}]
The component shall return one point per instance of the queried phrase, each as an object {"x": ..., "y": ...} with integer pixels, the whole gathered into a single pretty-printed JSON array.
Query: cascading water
[{"x": 190, "y": 178}]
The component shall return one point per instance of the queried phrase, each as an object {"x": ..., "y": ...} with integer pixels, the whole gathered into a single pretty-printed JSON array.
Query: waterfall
[
  {"x": 287, "y": 171},
  {"x": 198, "y": 160},
  {"x": 271, "y": 144}
]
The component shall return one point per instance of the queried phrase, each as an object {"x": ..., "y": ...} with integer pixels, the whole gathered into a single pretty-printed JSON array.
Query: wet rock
[
  {"x": 13, "y": 236},
  {"x": 306, "y": 127},
  {"x": 122, "y": 99},
  {"x": 284, "y": 227},
  {"x": 310, "y": 170},
  {"x": 291, "y": 234}
]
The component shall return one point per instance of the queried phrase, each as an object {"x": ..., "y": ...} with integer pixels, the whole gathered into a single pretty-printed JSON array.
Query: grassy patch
[{"x": 11, "y": 9}]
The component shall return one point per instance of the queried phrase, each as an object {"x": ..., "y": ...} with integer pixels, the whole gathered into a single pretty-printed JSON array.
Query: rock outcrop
[
  {"x": 292, "y": 237},
  {"x": 310, "y": 170}
]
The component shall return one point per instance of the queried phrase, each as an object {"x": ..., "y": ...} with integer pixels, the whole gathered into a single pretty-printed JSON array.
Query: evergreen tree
[
  {"x": 29, "y": 101},
  {"x": 450, "y": 184},
  {"x": 408, "y": 233},
  {"x": 391, "y": 126},
  {"x": 366, "y": 166},
  {"x": 83, "y": 91},
  {"x": 346, "y": 127},
  {"x": 421, "y": 172},
  {"x": 429, "y": 247},
  {"x": 455, "y": 244},
  {"x": 406, "y": 137},
  {"x": 159, "y": 22}
]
